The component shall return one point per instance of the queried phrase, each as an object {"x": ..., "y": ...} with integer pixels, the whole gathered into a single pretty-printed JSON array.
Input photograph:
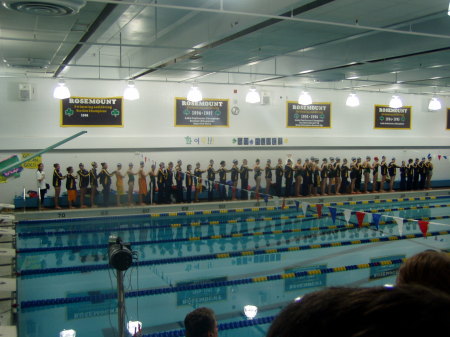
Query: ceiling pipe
[{"x": 92, "y": 29}]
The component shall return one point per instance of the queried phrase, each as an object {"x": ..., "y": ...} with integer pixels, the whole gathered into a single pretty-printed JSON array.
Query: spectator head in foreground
[
  {"x": 429, "y": 268},
  {"x": 201, "y": 323},
  {"x": 411, "y": 311}
]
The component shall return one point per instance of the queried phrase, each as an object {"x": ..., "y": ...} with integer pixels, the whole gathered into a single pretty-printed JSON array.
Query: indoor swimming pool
[{"x": 223, "y": 259}]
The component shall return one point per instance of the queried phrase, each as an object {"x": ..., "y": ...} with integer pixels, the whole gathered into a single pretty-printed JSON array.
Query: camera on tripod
[{"x": 119, "y": 253}]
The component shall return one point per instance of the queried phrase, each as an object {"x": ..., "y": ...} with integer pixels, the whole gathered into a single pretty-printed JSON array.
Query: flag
[
  {"x": 304, "y": 207},
  {"x": 360, "y": 216},
  {"x": 376, "y": 220},
  {"x": 319, "y": 210},
  {"x": 297, "y": 204},
  {"x": 266, "y": 198},
  {"x": 439, "y": 156},
  {"x": 333, "y": 214},
  {"x": 423, "y": 227},
  {"x": 399, "y": 222},
  {"x": 347, "y": 214},
  {"x": 445, "y": 157}
]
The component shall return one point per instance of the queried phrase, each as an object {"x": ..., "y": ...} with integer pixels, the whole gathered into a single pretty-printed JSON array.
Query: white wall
[{"x": 149, "y": 128}]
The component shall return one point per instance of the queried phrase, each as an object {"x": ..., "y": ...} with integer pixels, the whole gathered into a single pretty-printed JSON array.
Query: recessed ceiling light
[
  {"x": 306, "y": 71},
  {"x": 352, "y": 77}
]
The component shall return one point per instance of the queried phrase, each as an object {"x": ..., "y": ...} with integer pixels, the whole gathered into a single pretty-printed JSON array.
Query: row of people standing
[{"x": 302, "y": 179}]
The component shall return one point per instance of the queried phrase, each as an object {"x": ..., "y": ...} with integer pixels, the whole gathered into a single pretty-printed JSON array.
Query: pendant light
[
  {"x": 434, "y": 104},
  {"x": 61, "y": 91},
  {"x": 194, "y": 94},
  {"x": 253, "y": 96},
  {"x": 395, "y": 102},
  {"x": 304, "y": 98},
  {"x": 131, "y": 93},
  {"x": 352, "y": 100}
]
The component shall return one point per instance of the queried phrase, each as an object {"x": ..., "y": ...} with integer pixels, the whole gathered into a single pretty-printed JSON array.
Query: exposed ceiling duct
[{"x": 45, "y": 8}]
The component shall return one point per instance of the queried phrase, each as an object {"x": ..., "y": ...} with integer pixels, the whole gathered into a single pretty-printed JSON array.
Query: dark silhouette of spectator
[
  {"x": 411, "y": 311},
  {"x": 201, "y": 323},
  {"x": 429, "y": 268}
]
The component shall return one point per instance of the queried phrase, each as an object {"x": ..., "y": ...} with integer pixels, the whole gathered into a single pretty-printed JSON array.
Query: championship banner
[
  {"x": 316, "y": 115},
  {"x": 392, "y": 118},
  {"x": 206, "y": 113},
  {"x": 448, "y": 119},
  {"x": 92, "y": 111}
]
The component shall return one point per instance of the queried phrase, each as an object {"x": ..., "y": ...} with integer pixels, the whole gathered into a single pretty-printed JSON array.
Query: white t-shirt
[{"x": 40, "y": 184}]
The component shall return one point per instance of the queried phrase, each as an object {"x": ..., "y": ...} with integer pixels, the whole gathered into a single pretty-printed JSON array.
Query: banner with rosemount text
[
  {"x": 448, "y": 119},
  {"x": 92, "y": 111},
  {"x": 392, "y": 118},
  {"x": 206, "y": 113},
  {"x": 316, "y": 115}
]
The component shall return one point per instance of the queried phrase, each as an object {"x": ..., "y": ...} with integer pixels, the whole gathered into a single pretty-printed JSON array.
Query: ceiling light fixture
[
  {"x": 131, "y": 93},
  {"x": 61, "y": 91},
  {"x": 304, "y": 98},
  {"x": 252, "y": 96},
  {"x": 194, "y": 94},
  {"x": 352, "y": 100},
  {"x": 448, "y": 9},
  {"x": 395, "y": 102},
  {"x": 434, "y": 104}
]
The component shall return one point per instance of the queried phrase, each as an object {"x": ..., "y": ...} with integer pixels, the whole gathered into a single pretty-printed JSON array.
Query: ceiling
[{"x": 383, "y": 45}]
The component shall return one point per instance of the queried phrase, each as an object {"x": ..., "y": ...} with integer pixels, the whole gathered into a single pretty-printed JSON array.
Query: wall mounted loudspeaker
[{"x": 25, "y": 92}]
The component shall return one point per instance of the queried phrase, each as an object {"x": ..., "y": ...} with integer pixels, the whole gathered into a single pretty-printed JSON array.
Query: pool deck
[{"x": 217, "y": 205}]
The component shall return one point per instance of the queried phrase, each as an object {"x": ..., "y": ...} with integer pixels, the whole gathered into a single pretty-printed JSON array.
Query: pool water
[{"x": 223, "y": 260}]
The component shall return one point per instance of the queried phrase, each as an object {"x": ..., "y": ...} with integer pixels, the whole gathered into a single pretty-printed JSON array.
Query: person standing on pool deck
[
  {"x": 119, "y": 184},
  {"x": 384, "y": 172},
  {"x": 257, "y": 177},
  {"x": 71, "y": 187},
  {"x": 392, "y": 169},
  {"x": 429, "y": 166},
  {"x": 169, "y": 183},
  {"x": 130, "y": 175},
  {"x": 152, "y": 183},
  {"x": 422, "y": 173},
  {"x": 344, "y": 176},
  {"x": 331, "y": 175},
  {"x": 198, "y": 180},
  {"x": 142, "y": 183},
  {"x": 323, "y": 176},
  {"x": 268, "y": 175},
  {"x": 83, "y": 183},
  {"x": 57, "y": 178},
  {"x": 244, "y": 179},
  {"x": 416, "y": 170},
  {"x": 105, "y": 180},
  {"x": 366, "y": 166},
  {"x": 288, "y": 176},
  {"x": 210, "y": 179},
  {"x": 93, "y": 180},
  {"x": 409, "y": 174},
  {"x": 375, "y": 167},
  {"x": 179, "y": 181},
  {"x": 234, "y": 178},
  {"x": 41, "y": 184},
  {"x": 278, "y": 177},
  {"x": 222, "y": 180},
  {"x": 337, "y": 179},
  {"x": 298, "y": 176},
  {"x": 162, "y": 177},
  {"x": 403, "y": 170},
  {"x": 188, "y": 183},
  {"x": 353, "y": 175}
]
